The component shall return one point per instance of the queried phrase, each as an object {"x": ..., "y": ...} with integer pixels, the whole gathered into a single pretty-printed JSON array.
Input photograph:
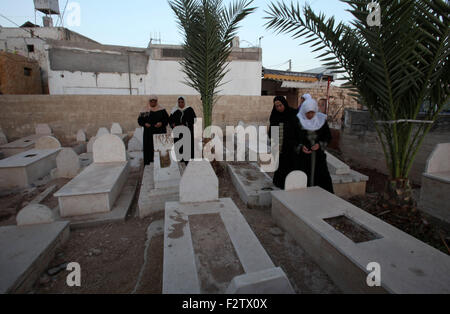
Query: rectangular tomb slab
[
  {"x": 25, "y": 252},
  {"x": 201, "y": 240},
  {"x": 314, "y": 218},
  {"x": 20, "y": 145},
  {"x": 254, "y": 187},
  {"x": 94, "y": 190},
  {"x": 22, "y": 169}
]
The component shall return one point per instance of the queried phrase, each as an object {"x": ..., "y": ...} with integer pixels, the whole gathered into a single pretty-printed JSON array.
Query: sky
[{"x": 134, "y": 22}]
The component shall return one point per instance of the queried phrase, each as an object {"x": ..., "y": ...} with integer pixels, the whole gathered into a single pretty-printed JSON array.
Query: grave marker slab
[
  {"x": 81, "y": 136},
  {"x": 109, "y": 148},
  {"x": 296, "y": 180},
  {"x": 116, "y": 129},
  {"x": 67, "y": 163},
  {"x": 102, "y": 131},
  {"x": 35, "y": 214},
  {"x": 47, "y": 142},
  {"x": 43, "y": 129}
]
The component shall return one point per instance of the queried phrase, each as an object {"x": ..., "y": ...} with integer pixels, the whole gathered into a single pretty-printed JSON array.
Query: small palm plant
[
  {"x": 208, "y": 29},
  {"x": 395, "y": 68}
]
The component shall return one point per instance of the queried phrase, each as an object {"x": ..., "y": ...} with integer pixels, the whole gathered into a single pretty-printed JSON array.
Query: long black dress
[
  {"x": 185, "y": 118},
  {"x": 321, "y": 176},
  {"x": 289, "y": 140},
  {"x": 152, "y": 118}
]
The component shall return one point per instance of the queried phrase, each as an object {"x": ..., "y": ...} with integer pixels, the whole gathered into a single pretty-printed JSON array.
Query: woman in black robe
[
  {"x": 154, "y": 120},
  {"x": 183, "y": 115},
  {"x": 315, "y": 135},
  {"x": 285, "y": 117}
]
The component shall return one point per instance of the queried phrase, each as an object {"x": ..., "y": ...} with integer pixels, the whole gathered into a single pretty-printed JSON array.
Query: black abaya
[
  {"x": 152, "y": 118},
  {"x": 186, "y": 118}
]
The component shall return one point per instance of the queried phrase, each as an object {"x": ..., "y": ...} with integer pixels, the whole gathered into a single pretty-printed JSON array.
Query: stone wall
[
  {"x": 67, "y": 114},
  {"x": 359, "y": 142}
]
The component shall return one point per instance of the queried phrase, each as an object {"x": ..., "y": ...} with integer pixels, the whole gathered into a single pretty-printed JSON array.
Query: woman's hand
[
  {"x": 147, "y": 125},
  {"x": 306, "y": 150},
  {"x": 315, "y": 147},
  {"x": 158, "y": 125}
]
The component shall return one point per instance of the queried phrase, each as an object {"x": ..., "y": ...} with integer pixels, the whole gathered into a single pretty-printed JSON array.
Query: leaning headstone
[
  {"x": 109, "y": 148},
  {"x": 90, "y": 144},
  {"x": 3, "y": 139},
  {"x": 116, "y": 129},
  {"x": 67, "y": 163},
  {"x": 102, "y": 131},
  {"x": 134, "y": 145},
  {"x": 296, "y": 180},
  {"x": 35, "y": 214},
  {"x": 47, "y": 142},
  {"x": 199, "y": 183},
  {"x": 43, "y": 129},
  {"x": 81, "y": 136}
]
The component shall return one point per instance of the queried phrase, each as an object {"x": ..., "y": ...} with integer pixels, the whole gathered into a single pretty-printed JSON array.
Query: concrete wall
[
  {"x": 359, "y": 142},
  {"x": 67, "y": 114},
  {"x": 14, "y": 80}
]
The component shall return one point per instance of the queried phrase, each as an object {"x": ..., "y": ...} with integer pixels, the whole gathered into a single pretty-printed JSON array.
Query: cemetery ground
[{"x": 112, "y": 256}]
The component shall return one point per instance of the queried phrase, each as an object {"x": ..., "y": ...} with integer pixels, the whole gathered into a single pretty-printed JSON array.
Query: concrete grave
[
  {"x": 67, "y": 163},
  {"x": 102, "y": 131},
  {"x": 35, "y": 214},
  {"x": 209, "y": 247},
  {"x": 98, "y": 186},
  {"x": 407, "y": 264},
  {"x": 109, "y": 148},
  {"x": 47, "y": 142},
  {"x": 43, "y": 129},
  {"x": 81, "y": 136},
  {"x": 19, "y": 146},
  {"x": 116, "y": 129},
  {"x": 165, "y": 176},
  {"x": 435, "y": 189},
  {"x": 26, "y": 251},
  {"x": 199, "y": 183},
  {"x": 20, "y": 170},
  {"x": 253, "y": 186}
]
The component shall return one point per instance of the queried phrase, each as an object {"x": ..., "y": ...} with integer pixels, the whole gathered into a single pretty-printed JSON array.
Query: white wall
[{"x": 166, "y": 78}]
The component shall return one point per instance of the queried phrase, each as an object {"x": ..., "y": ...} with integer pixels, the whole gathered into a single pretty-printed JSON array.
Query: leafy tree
[
  {"x": 395, "y": 68},
  {"x": 208, "y": 28}
]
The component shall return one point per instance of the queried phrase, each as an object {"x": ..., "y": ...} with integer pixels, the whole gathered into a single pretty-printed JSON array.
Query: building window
[
  {"x": 30, "y": 48},
  {"x": 27, "y": 71}
]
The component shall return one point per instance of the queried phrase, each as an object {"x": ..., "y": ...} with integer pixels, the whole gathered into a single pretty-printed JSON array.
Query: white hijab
[
  {"x": 319, "y": 118},
  {"x": 306, "y": 96},
  {"x": 177, "y": 107}
]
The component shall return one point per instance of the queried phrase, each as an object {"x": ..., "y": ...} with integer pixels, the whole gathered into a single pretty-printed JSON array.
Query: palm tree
[
  {"x": 208, "y": 29},
  {"x": 395, "y": 68}
]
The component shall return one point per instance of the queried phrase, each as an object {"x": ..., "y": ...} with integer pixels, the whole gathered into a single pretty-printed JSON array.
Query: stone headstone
[
  {"x": 43, "y": 129},
  {"x": 162, "y": 142},
  {"x": 116, "y": 129},
  {"x": 134, "y": 145},
  {"x": 81, "y": 136},
  {"x": 67, "y": 163},
  {"x": 47, "y": 142},
  {"x": 3, "y": 139},
  {"x": 34, "y": 214},
  {"x": 109, "y": 148},
  {"x": 90, "y": 144},
  {"x": 102, "y": 131},
  {"x": 199, "y": 183},
  {"x": 139, "y": 134},
  {"x": 296, "y": 180}
]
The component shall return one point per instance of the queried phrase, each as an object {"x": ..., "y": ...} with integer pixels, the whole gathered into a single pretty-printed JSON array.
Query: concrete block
[
  {"x": 109, "y": 148},
  {"x": 335, "y": 166},
  {"x": 199, "y": 183},
  {"x": 35, "y": 214},
  {"x": 25, "y": 252},
  {"x": 407, "y": 264},
  {"x": 21, "y": 170},
  {"x": 94, "y": 190},
  {"x": 253, "y": 186},
  {"x": 269, "y": 281},
  {"x": 296, "y": 180}
]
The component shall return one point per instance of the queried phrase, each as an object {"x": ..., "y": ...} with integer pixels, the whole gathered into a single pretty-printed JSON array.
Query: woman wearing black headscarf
[{"x": 284, "y": 117}]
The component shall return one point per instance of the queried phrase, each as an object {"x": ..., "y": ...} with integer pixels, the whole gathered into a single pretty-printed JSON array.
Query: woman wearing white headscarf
[
  {"x": 314, "y": 138},
  {"x": 183, "y": 115}
]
